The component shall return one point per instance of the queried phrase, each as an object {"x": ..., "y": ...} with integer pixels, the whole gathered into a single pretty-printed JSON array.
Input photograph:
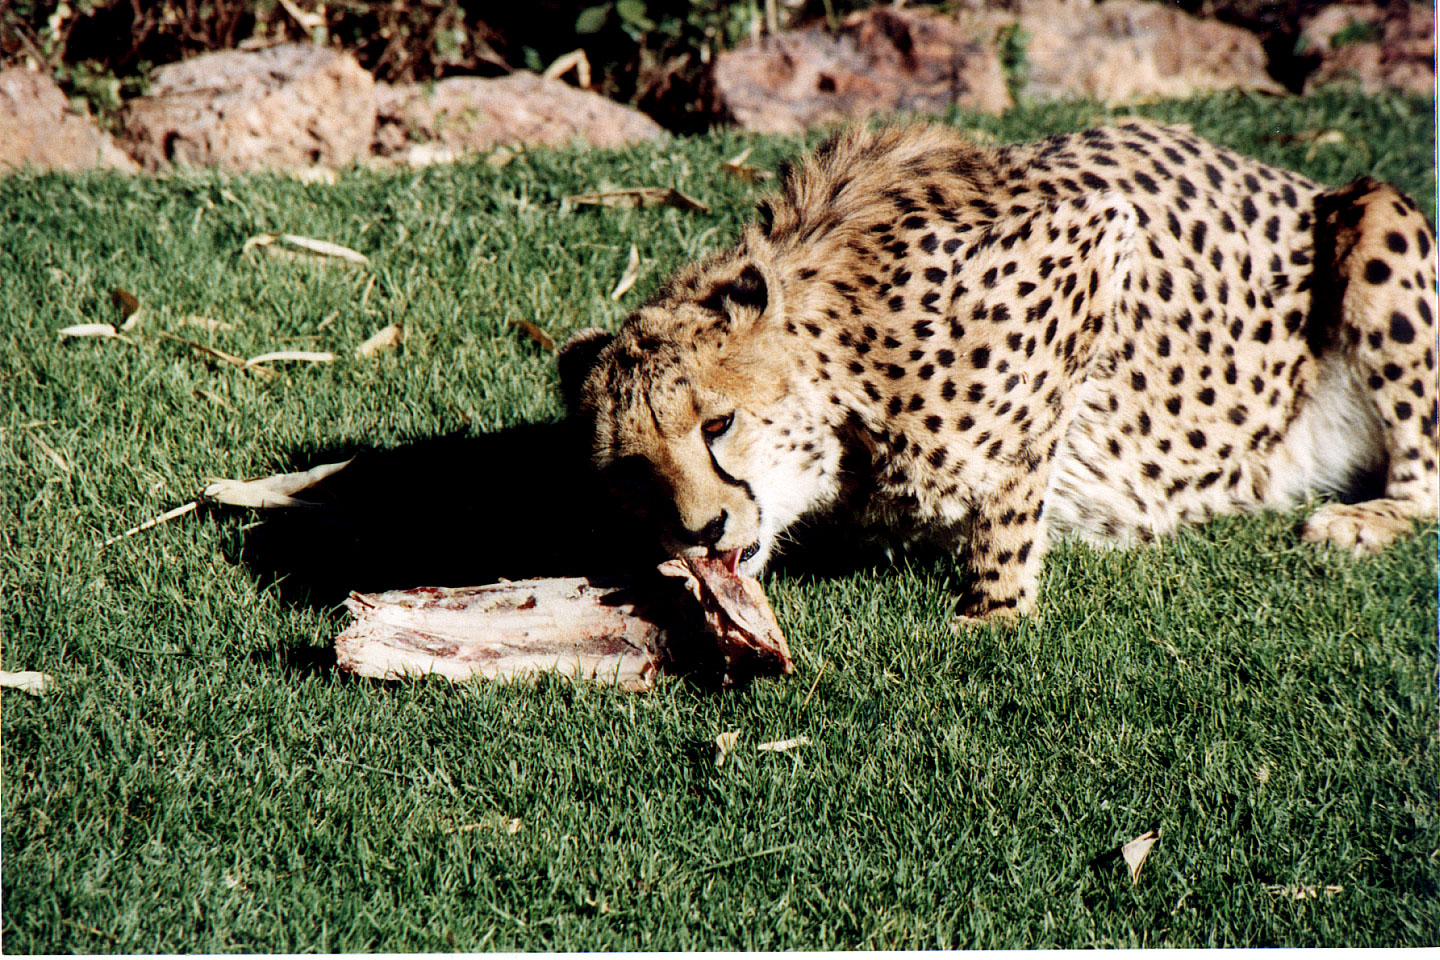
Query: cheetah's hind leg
[{"x": 1379, "y": 253}]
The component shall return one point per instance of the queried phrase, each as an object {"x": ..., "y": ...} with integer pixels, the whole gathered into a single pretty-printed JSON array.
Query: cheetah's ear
[
  {"x": 576, "y": 358},
  {"x": 753, "y": 290}
]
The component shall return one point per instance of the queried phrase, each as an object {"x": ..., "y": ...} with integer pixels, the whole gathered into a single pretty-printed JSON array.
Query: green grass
[{"x": 199, "y": 780}]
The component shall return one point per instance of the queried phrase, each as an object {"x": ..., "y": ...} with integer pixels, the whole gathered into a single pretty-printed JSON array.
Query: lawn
[{"x": 200, "y": 779}]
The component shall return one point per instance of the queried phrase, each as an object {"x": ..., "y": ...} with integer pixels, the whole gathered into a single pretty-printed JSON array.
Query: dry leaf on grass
[
  {"x": 635, "y": 197},
  {"x": 30, "y": 681},
  {"x": 387, "y": 338},
  {"x": 302, "y": 356},
  {"x": 318, "y": 250},
  {"x": 205, "y": 323},
  {"x": 1309, "y": 136},
  {"x": 1304, "y": 891},
  {"x": 165, "y": 517},
  {"x": 628, "y": 278},
  {"x": 321, "y": 175},
  {"x": 309, "y": 21},
  {"x": 1136, "y": 851},
  {"x": 88, "y": 330},
  {"x": 776, "y": 746},
  {"x": 724, "y": 743},
  {"x": 429, "y": 154},
  {"x": 563, "y": 64},
  {"x": 536, "y": 334},
  {"x": 129, "y": 306},
  {"x": 496, "y": 822},
  {"x": 737, "y": 168},
  {"x": 277, "y": 490}
]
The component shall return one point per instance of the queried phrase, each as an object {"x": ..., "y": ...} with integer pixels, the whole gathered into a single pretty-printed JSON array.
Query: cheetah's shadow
[{"x": 463, "y": 510}]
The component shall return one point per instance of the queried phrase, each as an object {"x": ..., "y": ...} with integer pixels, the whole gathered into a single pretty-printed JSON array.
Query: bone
[{"x": 620, "y": 630}]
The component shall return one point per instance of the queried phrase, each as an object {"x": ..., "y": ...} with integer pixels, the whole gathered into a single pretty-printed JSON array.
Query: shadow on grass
[
  {"x": 446, "y": 511},
  {"x": 465, "y": 510}
]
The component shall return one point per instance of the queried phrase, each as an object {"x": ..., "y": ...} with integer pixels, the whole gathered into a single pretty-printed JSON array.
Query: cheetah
[{"x": 1101, "y": 335}]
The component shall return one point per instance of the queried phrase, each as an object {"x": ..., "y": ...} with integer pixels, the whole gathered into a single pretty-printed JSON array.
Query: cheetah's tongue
[{"x": 731, "y": 559}]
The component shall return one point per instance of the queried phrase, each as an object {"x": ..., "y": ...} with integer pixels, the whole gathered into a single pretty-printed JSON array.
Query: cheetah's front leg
[{"x": 1007, "y": 543}]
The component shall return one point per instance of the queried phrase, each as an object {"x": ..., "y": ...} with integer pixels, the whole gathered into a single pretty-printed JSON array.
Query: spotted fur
[{"x": 1101, "y": 335}]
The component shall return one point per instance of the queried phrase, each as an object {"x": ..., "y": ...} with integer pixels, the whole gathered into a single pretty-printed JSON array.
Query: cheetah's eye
[{"x": 716, "y": 426}]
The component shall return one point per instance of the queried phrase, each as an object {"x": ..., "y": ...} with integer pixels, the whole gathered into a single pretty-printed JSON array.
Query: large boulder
[
  {"x": 1123, "y": 51},
  {"x": 882, "y": 61},
  {"x": 468, "y": 114},
  {"x": 289, "y": 106},
  {"x": 1377, "y": 48},
  {"x": 39, "y": 131}
]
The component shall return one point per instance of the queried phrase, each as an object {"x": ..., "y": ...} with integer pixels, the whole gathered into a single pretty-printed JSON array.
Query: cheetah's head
[{"x": 693, "y": 419}]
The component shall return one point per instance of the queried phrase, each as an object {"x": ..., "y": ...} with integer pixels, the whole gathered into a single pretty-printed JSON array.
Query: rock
[
  {"x": 884, "y": 60},
  {"x": 38, "y": 130},
  {"x": 1389, "y": 48},
  {"x": 1127, "y": 50},
  {"x": 287, "y": 106},
  {"x": 472, "y": 114}
]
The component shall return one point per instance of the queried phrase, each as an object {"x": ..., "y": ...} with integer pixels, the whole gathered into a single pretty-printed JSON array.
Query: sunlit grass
[{"x": 197, "y": 781}]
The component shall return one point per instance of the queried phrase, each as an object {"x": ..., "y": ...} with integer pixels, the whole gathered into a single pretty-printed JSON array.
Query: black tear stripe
[{"x": 731, "y": 481}]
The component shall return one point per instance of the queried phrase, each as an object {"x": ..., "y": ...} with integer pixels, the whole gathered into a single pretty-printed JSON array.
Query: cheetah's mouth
[{"x": 733, "y": 558}]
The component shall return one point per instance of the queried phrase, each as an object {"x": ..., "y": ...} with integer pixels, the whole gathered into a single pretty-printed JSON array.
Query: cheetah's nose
[{"x": 710, "y": 534}]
